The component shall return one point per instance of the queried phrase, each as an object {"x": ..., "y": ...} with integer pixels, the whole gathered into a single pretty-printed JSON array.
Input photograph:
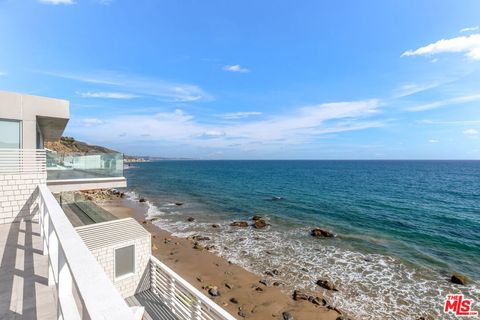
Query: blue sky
[{"x": 254, "y": 79}]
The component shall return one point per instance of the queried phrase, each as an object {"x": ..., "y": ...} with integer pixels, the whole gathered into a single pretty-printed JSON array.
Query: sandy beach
[{"x": 242, "y": 293}]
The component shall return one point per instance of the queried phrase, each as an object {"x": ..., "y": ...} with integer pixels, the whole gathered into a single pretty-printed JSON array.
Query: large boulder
[
  {"x": 317, "y": 301},
  {"x": 299, "y": 295},
  {"x": 260, "y": 224},
  {"x": 198, "y": 246},
  {"x": 317, "y": 232},
  {"x": 458, "y": 279},
  {"x": 242, "y": 224},
  {"x": 326, "y": 284},
  {"x": 287, "y": 316},
  {"x": 213, "y": 291}
]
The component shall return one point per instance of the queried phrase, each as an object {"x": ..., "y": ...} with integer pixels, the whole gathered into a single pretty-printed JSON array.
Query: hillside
[{"x": 70, "y": 145}]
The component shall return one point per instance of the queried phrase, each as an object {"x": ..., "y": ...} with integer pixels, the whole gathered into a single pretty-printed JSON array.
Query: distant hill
[{"x": 70, "y": 145}]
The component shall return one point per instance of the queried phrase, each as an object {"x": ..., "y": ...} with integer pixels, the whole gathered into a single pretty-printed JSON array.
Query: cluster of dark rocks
[
  {"x": 300, "y": 295},
  {"x": 198, "y": 238},
  {"x": 102, "y": 194},
  {"x": 258, "y": 223},
  {"x": 272, "y": 273}
]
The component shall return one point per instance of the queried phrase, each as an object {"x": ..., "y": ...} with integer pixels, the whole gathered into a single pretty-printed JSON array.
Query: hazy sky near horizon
[{"x": 254, "y": 79}]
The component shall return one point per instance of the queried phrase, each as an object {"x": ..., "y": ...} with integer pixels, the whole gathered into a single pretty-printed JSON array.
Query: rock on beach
[{"x": 317, "y": 232}]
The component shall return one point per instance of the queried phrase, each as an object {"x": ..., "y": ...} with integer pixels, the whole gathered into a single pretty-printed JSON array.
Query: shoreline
[{"x": 242, "y": 292}]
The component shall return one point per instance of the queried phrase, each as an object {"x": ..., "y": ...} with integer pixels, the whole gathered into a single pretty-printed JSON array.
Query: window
[
  {"x": 124, "y": 261},
  {"x": 9, "y": 134}
]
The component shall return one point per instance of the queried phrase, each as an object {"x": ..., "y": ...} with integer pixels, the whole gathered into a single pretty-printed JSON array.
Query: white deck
[{"x": 24, "y": 293}]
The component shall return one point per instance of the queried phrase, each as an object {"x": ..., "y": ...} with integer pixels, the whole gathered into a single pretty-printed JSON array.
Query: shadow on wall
[{"x": 144, "y": 283}]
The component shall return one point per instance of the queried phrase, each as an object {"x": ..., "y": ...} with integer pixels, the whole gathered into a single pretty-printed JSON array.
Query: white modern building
[{"x": 51, "y": 270}]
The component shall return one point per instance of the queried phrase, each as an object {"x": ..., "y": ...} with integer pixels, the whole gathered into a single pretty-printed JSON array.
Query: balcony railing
[
  {"x": 183, "y": 299},
  {"x": 83, "y": 166},
  {"x": 22, "y": 161},
  {"x": 83, "y": 290}
]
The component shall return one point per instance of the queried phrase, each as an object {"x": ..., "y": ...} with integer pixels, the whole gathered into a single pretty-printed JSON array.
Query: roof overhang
[{"x": 51, "y": 128}]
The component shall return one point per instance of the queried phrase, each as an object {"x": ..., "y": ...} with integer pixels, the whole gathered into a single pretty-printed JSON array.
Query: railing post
[
  {"x": 52, "y": 256},
  {"x": 196, "y": 311},
  {"x": 172, "y": 294},
  {"x": 40, "y": 213},
  {"x": 62, "y": 283},
  {"x": 69, "y": 308},
  {"x": 153, "y": 273},
  {"x": 45, "y": 227}
]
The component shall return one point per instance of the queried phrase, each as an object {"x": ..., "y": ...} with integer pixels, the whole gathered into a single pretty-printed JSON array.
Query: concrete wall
[
  {"x": 138, "y": 282},
  {"x": 50, "y": 115},
  {"x": 18, "y": 194}
]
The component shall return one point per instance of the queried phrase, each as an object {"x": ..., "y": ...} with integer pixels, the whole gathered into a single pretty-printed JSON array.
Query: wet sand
[{"x": 204, "y": 269}]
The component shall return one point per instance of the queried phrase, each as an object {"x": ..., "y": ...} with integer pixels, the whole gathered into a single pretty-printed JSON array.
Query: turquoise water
[{"x": 402, "y": 226}]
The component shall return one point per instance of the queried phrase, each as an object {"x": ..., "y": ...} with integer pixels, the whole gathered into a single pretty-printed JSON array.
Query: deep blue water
[{"x": 424, "y": 214}]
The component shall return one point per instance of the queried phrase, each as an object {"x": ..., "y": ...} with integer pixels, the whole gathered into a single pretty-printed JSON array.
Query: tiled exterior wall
[
  {"x": 18, "y": 196},
  {"x": 140, "y": 281}
]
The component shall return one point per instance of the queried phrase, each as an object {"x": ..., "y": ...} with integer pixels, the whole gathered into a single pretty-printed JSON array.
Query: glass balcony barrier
[{"x": 70, "y": 166}]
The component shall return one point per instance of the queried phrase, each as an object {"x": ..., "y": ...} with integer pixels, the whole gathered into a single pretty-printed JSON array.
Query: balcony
[
  {"x": 48, "y": 269},
  {"x": 73, "y": 171}
]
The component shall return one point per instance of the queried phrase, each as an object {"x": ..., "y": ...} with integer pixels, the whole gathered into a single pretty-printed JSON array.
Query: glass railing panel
[{"x": 83, "y": 166}]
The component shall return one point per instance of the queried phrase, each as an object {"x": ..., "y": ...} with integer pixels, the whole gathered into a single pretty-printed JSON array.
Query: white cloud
[
  {"x": 57, "y": 2},
  {"x": 235, "y": 68},
  {"x": 302, "y": 125},
  {"x": 472, "y": 133},
  {"x": 239, "y": 115},
  {"x": 452, "y": 123},
  {"x": 2, "y": 73},
  {"x": 470, "y": 45},
  {"x": 443, "y": 103},
  {"x": 213, "y": 134},
  {"x": 413, "y": 88},
  {"x": 164, "y": 90},
  {"x": 433, "y": 141},
  {"x": 469, "y": 29},
  {"x": 108, "y": 95},
  {"x": 89, "y": 122}
]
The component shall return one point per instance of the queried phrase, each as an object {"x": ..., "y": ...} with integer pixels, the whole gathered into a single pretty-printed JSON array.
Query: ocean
[{"x": 402, "y": 227}]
